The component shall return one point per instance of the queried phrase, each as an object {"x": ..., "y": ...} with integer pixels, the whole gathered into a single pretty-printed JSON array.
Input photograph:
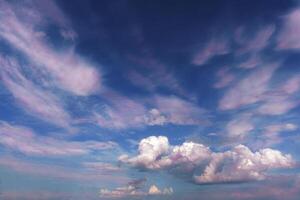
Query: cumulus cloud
[
  {"x": 130, "y": 191},
  {"x": 25, "y": 140},
  {"x": 238, "y": 164},
  {"x": 66, "y": 69},
  {"x": 241, "y": 164}
]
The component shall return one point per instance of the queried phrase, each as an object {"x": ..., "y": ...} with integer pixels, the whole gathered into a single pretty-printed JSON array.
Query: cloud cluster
[
  {"x": 24, "y": 140},
  {"x": 132, "y": 191},
  {"x": 237, "y": 164}
]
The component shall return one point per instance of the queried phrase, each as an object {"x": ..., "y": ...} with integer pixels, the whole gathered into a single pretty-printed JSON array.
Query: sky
[{"x": 168, "y": 100}]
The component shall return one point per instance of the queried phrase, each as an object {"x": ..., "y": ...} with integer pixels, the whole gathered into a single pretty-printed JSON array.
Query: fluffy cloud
[
  {"x": 156, "y": 153},
  {"x": 22, "y": 139},
  {"x": 130, "y": 191},
  {"x": 241, "y": 164},
  {"x": 66, "y": 69},
  {"x": 238, "y": 164},
  {"x": 133, "y": 189}
]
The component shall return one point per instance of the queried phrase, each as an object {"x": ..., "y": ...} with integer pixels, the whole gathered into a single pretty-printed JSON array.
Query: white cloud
[
  {"x": 255, "y": 43},
  {"x": 67, "y": 70},
  {"x": 124, "y": 112},
  {"x": 32, "y": 98},
  {"x": 274, "y": 129},
  {"x": 132, "y": 191},
  {"x": 213, "y": 48},
  {"x": 276, "y": 107},
  {"x": 249, "y": 90},
  {"x": 241, "y": 164},
  {"x": 224, "y": 78},
  {"x": 24, "y": 140},
  {"x": 239, "y": 127},
  {"x": 289, "y": 35},
  {"x": 57, "y": 171},
  {"x": 238, "y": 164}
]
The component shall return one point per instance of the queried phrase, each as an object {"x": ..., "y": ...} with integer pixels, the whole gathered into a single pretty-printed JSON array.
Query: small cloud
[
  {"x": 132, "y": 191},
  {"x": 213, "y": 48},
  {"x": 224, "y": 78}
]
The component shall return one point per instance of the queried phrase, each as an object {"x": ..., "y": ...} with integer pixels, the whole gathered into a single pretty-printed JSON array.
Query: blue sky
[{"x": 149, "y": 100}]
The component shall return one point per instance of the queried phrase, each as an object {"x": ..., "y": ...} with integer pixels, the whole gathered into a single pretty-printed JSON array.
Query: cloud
[
  {"x": 24, "y": 140},
  {"x": 249, "y": 90},
  {"x": 238, "y": 164},
  {"x": 101, "y": 167},
  {"x": 224, "y": 78},
  {"x": 239, "y": 127},
  {"x": 252, "y": 61},
  {"x": 289, "y": 35},
  {"x": 57, "y": 171},
  {"x": 66, "y": 69},
  {"x": 280, "y": 100},
  {"x": 277, "y": 107},
  {"x": 131, "y": 191},
  {"x": 277, "y": 128},
  {"x": 179, "y": 111},
  {"x": 213, "y": 48},
  {"x": 241, "y": 164},
  {"x": 271, "y": 133},
  {"x": 134, "y": 188},
  {"x": 32, "y": 98},
  {"x": 256, "y": 42},
  {"x": 123, "y": 112}
]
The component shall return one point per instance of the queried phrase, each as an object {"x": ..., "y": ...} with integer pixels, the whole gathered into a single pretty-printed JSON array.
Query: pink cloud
[
  {"x": 240, "y": 127},
  {"x": 122, "y": 112},
  {"x": 213, "y": 48},
  {"x": 57, "y": 171},
  {"x": 224, "y": 78},
  {"x": 24, "y": 140},
  {"x": 32, "y": 98},
  {"x": 249, "y": 90},
  {"x": 289, "y": 35},
  {"x": 254, "y": 60},
  {"x": 256, "y": 43},
  {"x": 67, "y": 69}
]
